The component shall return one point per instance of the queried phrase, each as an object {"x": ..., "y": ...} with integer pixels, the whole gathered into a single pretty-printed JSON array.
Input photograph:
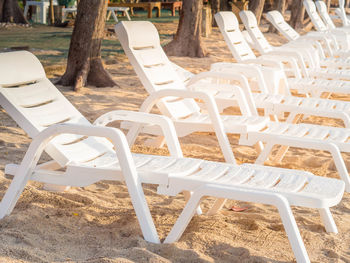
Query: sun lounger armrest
[
  {"x": 164, "y": 122},
  {"x": 265, "y": 61},
  {"x": 241, "y": 72},
  {"x": 327, "y": 42},
  {"x": 117, "y": 137},
  {"x": 211, "y": 107},
  {"x": 243, "y": 93},
  {"x": 277, "y": 56}
]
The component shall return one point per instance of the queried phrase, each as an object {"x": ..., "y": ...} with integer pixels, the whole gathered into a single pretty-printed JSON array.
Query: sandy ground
[{"x": 97, "y": 223}]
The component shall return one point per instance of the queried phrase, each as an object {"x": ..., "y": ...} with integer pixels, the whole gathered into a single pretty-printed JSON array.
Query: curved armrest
[
  {"x": 242, "y": 72},
  {"x": 132, "y": 180},
  {"x": 209, "y": 102},
  {"x": 291, "y": 56},
  {"x": 324, "y": 41},
  {"x": 265, "y": 62},
  {"x": 244, "y": 96},
  {"x": 282, "y": 58},
  {"x": 164, "y": 122}
]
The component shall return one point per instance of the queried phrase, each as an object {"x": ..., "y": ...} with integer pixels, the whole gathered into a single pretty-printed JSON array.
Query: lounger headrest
[
  {"x": 248, "y": 18},
  {"x": 310, "y": 5},
  {"x": 138, "y": 34},
  {"x": 321, "y": 6},
  {"x": 274, "y": 16},
  {"x": 227, "y": 21},
  {"x": 19, "y": 67}
]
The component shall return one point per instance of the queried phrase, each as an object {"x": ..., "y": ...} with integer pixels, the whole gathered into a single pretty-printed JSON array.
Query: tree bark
[
  {"x": 257, "y": 7},
  {"x": 11, "y": 12},
  {"x": 188, "y": 40},
  {"x": 84, "y": 65},
  {"x": 217, "y": 6},
  {"x": 297, "y": 14},
  {"x": 52, "y": 14}
]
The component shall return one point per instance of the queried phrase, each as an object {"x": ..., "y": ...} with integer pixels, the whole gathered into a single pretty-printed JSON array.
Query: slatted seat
[{"x": 88, "y": 157}]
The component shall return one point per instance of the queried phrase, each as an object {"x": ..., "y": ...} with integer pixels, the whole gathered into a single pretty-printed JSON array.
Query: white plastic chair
[
  {"x": 229, "y": 27},
  {"x": 140, "y": 41},
  {"x": 73, "y": 143},
  {"x": 328, "y": 43},
  {"x": 307, "y": 58},
  {"x": 342, "y": 14},
  {"x": 43, "y": 6},
  {"x": 327, "y": 20},
  {"x": 342, "y": 37}
]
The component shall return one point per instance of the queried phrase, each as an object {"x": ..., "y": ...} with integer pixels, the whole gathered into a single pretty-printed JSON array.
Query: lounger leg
[
  {"x": 187, "y": 196},
  {"x": 218, "y": 204},
  {"x": 127, "y": 15},
  {"x": 292, "y": 118},
  {"x": 293, "y": 233},
  {"x": 184, "y": 219},
  {"x": 341, "y": 168},
  {"x": 12, "y": 194},
  {"x": 264, "y": 154},
  {"x": 328, "y": 221},
  {"x": 114, "y": 16}
]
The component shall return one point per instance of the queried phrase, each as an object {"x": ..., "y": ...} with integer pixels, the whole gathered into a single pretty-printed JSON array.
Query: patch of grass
[{"x": 51, "y": 44}]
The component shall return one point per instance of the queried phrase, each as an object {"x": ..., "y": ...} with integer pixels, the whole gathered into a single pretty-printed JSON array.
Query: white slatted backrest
[
  {"x": 315, "y": 18},
  {"x": 229, "y": 27},
  {"x": 341, "y": 13},
  {"x": 249, "y": 20},
  {"x": 277, "y": 20},
  {"x": 141, "y": 43},
  {"x": 322, "y": 9},
  {"x": 35, "y": 103}
]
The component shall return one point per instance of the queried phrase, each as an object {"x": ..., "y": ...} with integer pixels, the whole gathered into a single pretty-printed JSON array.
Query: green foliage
[{"x": 66, "y": 3}]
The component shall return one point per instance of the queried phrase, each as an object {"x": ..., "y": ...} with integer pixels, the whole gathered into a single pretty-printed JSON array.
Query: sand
[{"x": 98, "y": 224}]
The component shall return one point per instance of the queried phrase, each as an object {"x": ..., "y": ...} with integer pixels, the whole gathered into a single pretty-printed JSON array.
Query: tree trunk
[
  {"x": 280, "y": 6},
  {"x": 84, "y": 66},
  {"x": 217, "y": 6},
  {"x": 11, "y": 12},
  {"x": 52, "y": 13},
  {"x": 257, "y": 7},
  {"x": 297, "y": 14},
  {"x": 188, "y": 40}
]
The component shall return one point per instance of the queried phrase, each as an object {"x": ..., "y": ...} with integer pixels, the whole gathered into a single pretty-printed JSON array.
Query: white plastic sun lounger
[
  {"x": 342, "y": 14},
  {"x": 330, "y": 45},
  {"x": 309, "y": 61},
  {"x": 229, "y": 27},
  {"x": 83, "y": 149},
  {"x": 342, "y": 37},
  {"x": 262, "y": 97},
  {"x": 140, "y": 41},
  {"x": 327, "y": 20}
]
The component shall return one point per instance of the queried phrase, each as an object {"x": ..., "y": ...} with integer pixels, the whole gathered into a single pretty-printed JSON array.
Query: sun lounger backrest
[
  {"x": 277, "y": 20},
  {"x": 315, "y": 18},
  {"x": 249, "y": 20},
  {"x": 229, "y": 27},
  {"x": 341, "y": 13},
  {"x": 141, "y": 43},
  {"x": 35, "y": 103},
  {"x": 322, "y": 9}
]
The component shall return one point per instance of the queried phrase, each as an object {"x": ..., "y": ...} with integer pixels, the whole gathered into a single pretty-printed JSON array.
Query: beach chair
[
  {"x": 90, "y": 153},
  {"x": 229, "y": 27},
  {"x": 342, "y": 14},
  {"x": 329, "y": 44},
  {"x": 342, "y": 38},
  {"x": 327, "y": 20},
  {"x": 309, "y": 61},
  {"x": 141, "y": 43}
]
